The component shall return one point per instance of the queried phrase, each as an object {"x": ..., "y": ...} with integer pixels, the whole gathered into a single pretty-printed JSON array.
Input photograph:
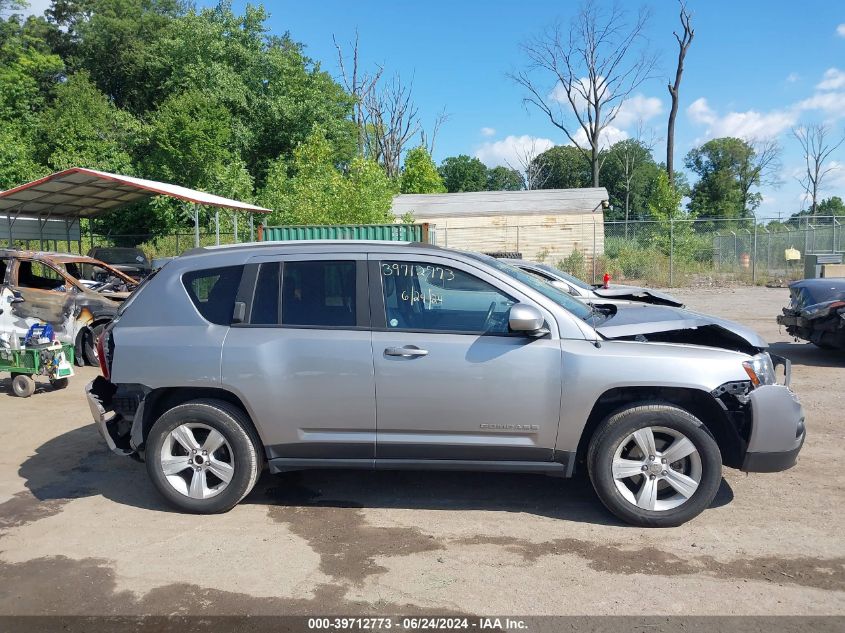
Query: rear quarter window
[{"x": 213, "y": 291}]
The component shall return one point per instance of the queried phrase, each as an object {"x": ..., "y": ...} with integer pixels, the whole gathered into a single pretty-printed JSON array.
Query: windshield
[
  {"x": 559, "y": 273},
  {"x": 560, "y": 297},
  {"x": 132, "y": 256}
]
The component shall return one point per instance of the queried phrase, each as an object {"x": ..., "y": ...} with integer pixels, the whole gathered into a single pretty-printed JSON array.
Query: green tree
[
  {"x": 419, "y": 174},
  {"x": 82, "y": 128},
  {"x": 502, "y": 178},
  {"x": 17, "y": 163},
  {"x": 562, "y": 167},
  {"x": 28, "y": 69},
  {"x": 311, "y": 190},
  {"x": 728, "y": 169},
  {"x": 629, "y": 174},
  {"x": 463, "y": 173}
]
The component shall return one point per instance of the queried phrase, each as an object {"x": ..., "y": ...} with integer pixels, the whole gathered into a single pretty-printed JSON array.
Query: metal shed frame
[{"x": 78, "y": 193}]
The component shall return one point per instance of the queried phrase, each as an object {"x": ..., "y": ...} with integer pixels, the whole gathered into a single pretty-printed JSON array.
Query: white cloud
[
  {"x": 840, "y": 30},
  {"x": 748, "y": 125},
  {"x": 511, "y": 149},
  {"x": 487, "y": 131},
  {"x": 791, "y": 78},
  {"x": 831, "y": 103},
  {"x": 634, "y": 109},
  {"x": 835, "y": 179},
  {"x": 637, "y": 108},
  {"x": 833, "y": 80},
  {"x": 609, "y": 135}
]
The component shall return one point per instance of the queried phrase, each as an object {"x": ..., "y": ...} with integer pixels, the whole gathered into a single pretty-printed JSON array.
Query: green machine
[{"x": 52, "y": 360}]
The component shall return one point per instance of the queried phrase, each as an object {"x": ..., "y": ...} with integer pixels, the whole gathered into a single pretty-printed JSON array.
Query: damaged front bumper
[
  {"x": 112, "y": 426},
  {"x": 777, "y": 429}
]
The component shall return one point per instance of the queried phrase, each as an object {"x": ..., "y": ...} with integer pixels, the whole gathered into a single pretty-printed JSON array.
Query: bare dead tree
[
  {"x": 530, "y": 164},
  {"x": 428, "y": 141},
  {"x": 817, "y": 148},
  {"x": 684, "y": 42},
  {"x": 759, "y": 167},
  {"x": 392, "y": 120},
  {"x": 359, "y": 85},
  {"x": 593, "y": 68}
]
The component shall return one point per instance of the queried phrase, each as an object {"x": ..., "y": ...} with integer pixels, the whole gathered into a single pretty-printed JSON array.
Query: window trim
[
  {"x": 377, "y": 307},
  {"x": 246, "y": 292}
]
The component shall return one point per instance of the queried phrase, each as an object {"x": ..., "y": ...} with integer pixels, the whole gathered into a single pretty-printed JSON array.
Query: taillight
[{"x": 101, "y": 356}]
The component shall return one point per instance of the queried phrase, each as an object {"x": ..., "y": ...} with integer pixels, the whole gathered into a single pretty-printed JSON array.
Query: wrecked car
[
  {"x": 392, "y": 355},
  {"x": 128, "y": 260},
  {"x": 76, "y": 295},
  {"x": 816, "y": 312},
  {"x": 597, "y": 292}
]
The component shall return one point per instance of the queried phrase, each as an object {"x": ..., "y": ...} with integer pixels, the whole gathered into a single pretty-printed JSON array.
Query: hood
[
  {"x": 636, "y": 293},
  {"x": 666, "y": 324}
]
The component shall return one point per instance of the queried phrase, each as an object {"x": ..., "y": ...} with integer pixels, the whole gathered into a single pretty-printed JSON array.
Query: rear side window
[
  {"x": 319, "y": 293},
  {"x": 213, "y": 291}
]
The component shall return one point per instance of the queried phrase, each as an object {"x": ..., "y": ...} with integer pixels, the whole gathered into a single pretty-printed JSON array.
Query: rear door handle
[{"x": 408, "y": 350}]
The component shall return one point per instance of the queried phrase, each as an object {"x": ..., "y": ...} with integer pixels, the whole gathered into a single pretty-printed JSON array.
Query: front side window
[
  {"x": 319, "y": 293},
  {"x": 213, "y": 292},
  {"x": 420, "y": 296},
  {"x": 35, "y": 274}
]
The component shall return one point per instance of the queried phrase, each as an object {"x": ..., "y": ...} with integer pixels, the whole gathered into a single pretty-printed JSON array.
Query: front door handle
[{"x": 408, "y": 350}]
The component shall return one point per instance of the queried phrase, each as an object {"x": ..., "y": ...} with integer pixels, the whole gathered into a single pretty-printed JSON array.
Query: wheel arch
[
  {"x": 699, "y": 403},
  {"x": 158, "y": 401}
]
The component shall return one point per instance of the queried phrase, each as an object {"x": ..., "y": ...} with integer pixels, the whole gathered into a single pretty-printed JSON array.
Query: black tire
[
  {"x": 235, "y": 427},
  {"x": 89, "y": 345},
  {"x": 613, "y": 432},
  {"x": 23, "y": 386},
  {"x": 59, "y": 383}
]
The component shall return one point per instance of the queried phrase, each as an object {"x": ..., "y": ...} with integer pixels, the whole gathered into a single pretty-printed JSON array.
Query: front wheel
[
  {"x": 654, "y": 465},
  {"x": 203, "y": 456},
  {"x": 23, "y": 386}
]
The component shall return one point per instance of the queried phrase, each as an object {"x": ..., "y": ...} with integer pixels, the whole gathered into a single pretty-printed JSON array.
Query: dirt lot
[{"x": 83, "y": 532}]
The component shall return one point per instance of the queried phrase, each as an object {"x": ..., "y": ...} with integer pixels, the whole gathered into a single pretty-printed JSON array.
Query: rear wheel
[
  {"x": 654, "y": 465},
  {"x": 89, "y": 344},
  {"x": 203, "y": 456},
  {"x": 23, "y": 386}
]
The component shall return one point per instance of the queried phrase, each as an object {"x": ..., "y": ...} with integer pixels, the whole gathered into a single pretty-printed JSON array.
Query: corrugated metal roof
[
  {"x": 80, "y": 192},
  {"x": 486, "y": 203}
]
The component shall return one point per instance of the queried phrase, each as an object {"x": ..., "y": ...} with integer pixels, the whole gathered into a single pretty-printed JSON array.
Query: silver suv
[{"x": 404, "y": 356}]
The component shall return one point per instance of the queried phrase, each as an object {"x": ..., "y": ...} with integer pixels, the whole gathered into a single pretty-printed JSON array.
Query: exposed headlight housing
[{"x": 760, "y": 369}]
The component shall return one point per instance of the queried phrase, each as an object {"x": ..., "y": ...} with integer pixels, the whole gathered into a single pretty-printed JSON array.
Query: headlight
[{"x": 760, "y": 369}]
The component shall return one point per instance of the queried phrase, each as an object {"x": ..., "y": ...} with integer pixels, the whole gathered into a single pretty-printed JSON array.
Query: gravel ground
[{"x": 83, "y": 532}]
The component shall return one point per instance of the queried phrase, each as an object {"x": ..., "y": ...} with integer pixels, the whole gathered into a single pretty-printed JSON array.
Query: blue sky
[{"x": 756, "y": 68}]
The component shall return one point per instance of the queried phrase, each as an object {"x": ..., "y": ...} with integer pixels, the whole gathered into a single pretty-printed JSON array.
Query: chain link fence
[
  {"x": 671, "y": 253},
  {"x": 657, "y": 253}
]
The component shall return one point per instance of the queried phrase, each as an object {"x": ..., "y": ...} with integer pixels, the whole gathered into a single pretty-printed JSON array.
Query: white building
[{"x": 543, "y": 224}]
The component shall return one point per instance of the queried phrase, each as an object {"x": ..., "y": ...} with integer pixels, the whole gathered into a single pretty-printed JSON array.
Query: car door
[
  {"x": 452, "y": 383},
  {"x": 47, "y": 297},
  {"x": 302, "y": 359}
]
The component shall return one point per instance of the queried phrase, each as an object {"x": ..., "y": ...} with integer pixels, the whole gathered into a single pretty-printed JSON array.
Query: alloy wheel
[
  {"x": 197, "y": 460},
  {"x": 657, "y": 468}
]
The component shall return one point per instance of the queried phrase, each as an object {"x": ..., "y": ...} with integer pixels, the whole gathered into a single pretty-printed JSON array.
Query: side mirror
[
  {"x": 528, "y": 319},
  {"x": 562, "y": 285},
  {"x": 16, "y": 297}
]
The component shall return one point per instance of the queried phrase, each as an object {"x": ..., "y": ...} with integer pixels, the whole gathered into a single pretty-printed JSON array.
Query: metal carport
[{"x": 77, "y": 193}]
